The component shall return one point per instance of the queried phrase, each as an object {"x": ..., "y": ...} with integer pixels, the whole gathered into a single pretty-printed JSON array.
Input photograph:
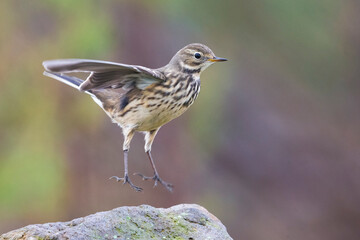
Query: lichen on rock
[{"x": 180, "y": 222}]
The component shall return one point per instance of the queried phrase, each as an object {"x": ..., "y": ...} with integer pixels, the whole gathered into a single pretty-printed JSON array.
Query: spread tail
[{"x": 68, "y": 80}]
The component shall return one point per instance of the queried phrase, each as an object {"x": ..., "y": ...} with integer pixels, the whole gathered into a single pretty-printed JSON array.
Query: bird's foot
[
  {"x": 157, "y": 179},
  {"x": 126, "y": 179}
]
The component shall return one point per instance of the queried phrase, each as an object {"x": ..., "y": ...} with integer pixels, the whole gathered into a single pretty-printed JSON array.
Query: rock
[{"x": 184, "y": 221}]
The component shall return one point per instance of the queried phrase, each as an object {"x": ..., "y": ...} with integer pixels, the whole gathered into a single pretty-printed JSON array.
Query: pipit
[{"x": 137, "y": 98}]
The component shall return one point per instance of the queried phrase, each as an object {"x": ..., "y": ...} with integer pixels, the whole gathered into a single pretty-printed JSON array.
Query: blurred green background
[{"x": 271, "y": 146}]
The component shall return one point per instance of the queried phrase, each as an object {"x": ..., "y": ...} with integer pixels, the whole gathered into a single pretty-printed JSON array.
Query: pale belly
[
  {"x": 149, "y": 113},
  {"x": 147, "y": 118}
]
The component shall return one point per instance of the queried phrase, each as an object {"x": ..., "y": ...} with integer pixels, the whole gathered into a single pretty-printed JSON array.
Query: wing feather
[{"x": 106, "y": 74}]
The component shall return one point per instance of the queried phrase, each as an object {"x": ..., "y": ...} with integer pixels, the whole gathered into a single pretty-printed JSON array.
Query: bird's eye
[{"x": 197, "y": 55}]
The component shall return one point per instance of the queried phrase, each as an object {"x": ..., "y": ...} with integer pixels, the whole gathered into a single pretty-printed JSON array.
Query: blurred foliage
[
  {"x": 32, "y": 141},
  {"x": 271, "y": 146}
]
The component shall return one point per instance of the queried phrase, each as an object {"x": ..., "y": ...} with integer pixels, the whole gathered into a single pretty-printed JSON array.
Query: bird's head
[{"x": 194, "y": 58}]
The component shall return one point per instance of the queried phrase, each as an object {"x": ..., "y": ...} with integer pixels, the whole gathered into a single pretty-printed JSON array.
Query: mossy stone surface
[{"x": 180, "y": 222}]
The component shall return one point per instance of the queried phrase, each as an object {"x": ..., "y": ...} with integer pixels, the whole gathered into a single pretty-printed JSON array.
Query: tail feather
[
  {"x": 69, "y": 80},
  {"x": 73, "y": 82}
]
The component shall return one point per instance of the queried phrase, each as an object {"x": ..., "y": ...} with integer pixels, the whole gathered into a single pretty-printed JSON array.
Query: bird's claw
[
  {"x": 157, "y": 179},
  {"x": 126, "y": 179}
]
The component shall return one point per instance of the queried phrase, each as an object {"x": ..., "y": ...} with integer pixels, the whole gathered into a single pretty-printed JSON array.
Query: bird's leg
[
  {"x": 149, "y": 138},
  {"x": 128, "y": 135},
  {"x": 156, "y": 176}
]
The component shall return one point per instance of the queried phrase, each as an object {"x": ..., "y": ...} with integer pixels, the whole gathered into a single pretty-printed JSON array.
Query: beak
[{"x": 217, "y": 59}]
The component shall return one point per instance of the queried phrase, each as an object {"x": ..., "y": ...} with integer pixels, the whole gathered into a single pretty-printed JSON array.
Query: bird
[{"x": 137, "y": 98}]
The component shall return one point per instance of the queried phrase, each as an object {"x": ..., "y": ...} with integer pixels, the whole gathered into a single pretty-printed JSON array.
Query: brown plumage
[{"x": 139, "y": 98}]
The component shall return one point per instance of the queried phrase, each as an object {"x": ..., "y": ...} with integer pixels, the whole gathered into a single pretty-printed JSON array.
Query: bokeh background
[{"x": 271, "y": 146}]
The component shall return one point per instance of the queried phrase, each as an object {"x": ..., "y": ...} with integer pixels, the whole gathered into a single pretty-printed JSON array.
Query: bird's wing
[{"x": 106, "y": 74}]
